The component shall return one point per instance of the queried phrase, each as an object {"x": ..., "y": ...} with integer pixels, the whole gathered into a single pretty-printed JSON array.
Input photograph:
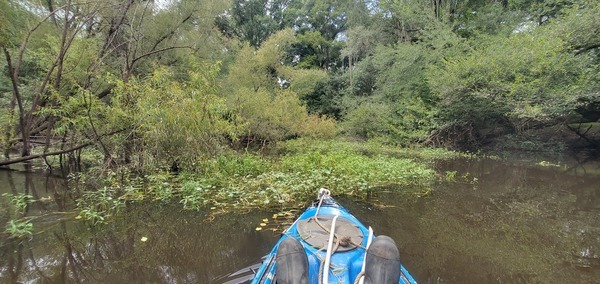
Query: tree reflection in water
[
  {"x": 518, "y": 223},
  {"x": 180, "y": 245}
]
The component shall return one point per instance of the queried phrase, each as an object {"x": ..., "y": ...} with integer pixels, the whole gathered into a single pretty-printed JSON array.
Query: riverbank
[{"x": 568, "y": 140}]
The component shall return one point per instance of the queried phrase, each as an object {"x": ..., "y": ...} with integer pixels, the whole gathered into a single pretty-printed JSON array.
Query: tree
[
  {"x": 401, "y": 21},
  {"x": 264, "y": 93},
  {"x": 58, "y": 50},
  {"x": 176, "y": 123},
  {"x": 70, "y": 26},
  {"x": 249, "y": 20},
  {"x": 318, "y": 24},
  {"x": 329, "y": 17},
  {"x": 361, "y": 42},
  {"x": 517, "y": 83},
  {"x": 312, "y": 50}
]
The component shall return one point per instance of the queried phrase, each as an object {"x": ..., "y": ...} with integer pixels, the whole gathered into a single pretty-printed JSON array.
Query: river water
[{"x": 499, "y": 222}]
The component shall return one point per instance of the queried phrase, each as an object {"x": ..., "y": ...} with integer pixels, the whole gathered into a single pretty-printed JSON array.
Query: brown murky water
[{"x": 501, "y": 222}]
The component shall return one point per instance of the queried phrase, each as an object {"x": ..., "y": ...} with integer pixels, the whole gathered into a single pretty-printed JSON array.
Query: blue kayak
[{"x": 326, "y": 244}]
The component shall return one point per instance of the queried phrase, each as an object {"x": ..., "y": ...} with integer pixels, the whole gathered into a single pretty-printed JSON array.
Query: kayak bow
[{"x": 327, "y": 244}]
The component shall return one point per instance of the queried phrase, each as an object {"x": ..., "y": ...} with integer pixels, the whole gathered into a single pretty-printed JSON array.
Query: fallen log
[{"x": 41, "y": 155}]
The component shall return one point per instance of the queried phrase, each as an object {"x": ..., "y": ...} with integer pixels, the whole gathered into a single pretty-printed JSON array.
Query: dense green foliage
[
  {"x": 462, "y": 78},
  {"x": 138, "y": 87},
  {"x": 155, "y": 84}
]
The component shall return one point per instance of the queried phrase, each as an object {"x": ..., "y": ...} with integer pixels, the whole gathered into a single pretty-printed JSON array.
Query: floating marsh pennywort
[{"x": 287, "y": 179}]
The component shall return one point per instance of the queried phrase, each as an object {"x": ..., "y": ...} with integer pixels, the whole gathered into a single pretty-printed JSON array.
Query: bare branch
[
  {"x": 159, "y": 51},
  {"x": 172, "y": 32}
]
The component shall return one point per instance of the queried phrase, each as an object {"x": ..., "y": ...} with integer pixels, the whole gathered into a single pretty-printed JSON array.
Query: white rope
[
  {"x": 329, "y": 251},
  {"x": 362, "y": 271}
]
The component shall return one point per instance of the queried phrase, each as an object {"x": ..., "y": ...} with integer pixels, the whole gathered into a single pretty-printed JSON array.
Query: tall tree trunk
[
  {"x": 13, "y": 73},
  {"x": 48, "y": 140},
  {"x": 9, "y": 132}
]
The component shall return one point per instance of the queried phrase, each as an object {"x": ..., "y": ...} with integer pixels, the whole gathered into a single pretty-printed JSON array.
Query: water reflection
[
  {"x": 178, "y": 248},
  {"x": 49, "y": 190},
  {"x": 517, "y": 223}
]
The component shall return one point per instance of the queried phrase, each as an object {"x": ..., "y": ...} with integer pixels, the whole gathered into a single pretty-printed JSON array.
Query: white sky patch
[
  {"x": 164, "y": 4},
  {"x": 523, "y": 27}
]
